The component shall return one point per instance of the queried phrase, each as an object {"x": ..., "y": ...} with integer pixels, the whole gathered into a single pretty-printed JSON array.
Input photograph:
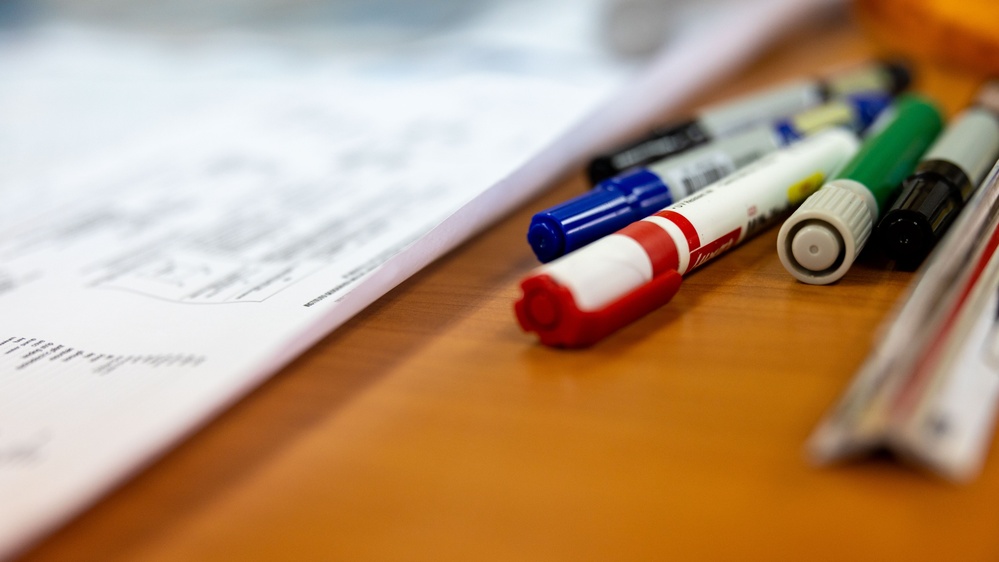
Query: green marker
[{"x": 818, "y": 244}]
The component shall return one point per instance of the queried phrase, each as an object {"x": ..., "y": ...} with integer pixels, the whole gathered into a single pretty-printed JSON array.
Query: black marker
[
  {"x": 948, "y": 174},
  {"x": 763, "y": 107}
]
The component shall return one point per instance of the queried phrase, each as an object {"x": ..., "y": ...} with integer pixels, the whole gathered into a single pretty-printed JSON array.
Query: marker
[
  {"x": 620, "y": 201},
  {"x": 818, "y": 244},
  {"x": 933, "y": 196},
  {"x": 762, "y": 107},
  {"x": 582, "y": 297}
]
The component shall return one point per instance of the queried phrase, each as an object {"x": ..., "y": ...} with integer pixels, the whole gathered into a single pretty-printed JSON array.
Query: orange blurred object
[{"x": 961, "y": 33}]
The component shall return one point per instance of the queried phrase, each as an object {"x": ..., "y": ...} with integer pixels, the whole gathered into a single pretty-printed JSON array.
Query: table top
[{"x": 431, "y": 427}]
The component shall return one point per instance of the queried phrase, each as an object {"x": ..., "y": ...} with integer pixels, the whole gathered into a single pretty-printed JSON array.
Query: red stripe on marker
[
  {"x": 688, "y": 230},
  {"x": 656, "y": 243}
]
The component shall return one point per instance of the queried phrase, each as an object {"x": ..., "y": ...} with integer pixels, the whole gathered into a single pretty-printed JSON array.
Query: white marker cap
[{"x": 818, "y": 243}]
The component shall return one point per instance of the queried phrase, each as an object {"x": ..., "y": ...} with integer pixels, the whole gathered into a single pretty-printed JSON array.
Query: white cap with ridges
[{"x": 818, "y": 243}]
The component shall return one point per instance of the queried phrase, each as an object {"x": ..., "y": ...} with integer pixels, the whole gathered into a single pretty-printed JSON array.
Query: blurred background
[
  {"x": 68, "y": 64},
  {"x": 957, "y": 31}
]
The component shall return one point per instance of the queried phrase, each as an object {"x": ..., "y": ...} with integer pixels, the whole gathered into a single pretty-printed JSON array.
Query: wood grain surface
[{"x": 430, "y": 428}]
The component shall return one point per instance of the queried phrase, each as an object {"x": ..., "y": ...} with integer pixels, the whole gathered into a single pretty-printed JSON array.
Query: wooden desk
[{"x": 431, "y": 428}]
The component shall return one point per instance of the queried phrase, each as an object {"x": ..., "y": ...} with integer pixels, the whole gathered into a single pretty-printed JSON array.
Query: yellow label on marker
[
  {"x": 800, "y": 191},
  {"x": 823, "y": 116}
]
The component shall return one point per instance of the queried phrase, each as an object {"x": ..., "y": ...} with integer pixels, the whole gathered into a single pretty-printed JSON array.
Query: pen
[
  {"x": 584, "y": 296},
  {"x": 948, "y": 174},
  {"x": 762, "y": 107},
  {"x": 820, "y": 241},
  {"x": 617, "y": 202}
]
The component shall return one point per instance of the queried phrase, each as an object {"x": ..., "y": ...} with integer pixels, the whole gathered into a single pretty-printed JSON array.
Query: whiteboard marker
[
  {"x": 945, "y": 178},
  {"x": 620, "y": 201},
  {"x": 762, "y": 107},
  {"x": 820, "y": 241},
  {"x": 582, "y": 297}
]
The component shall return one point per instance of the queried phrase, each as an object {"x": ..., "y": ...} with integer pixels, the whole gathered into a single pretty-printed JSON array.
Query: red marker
[{"x": 584, "y": 296}]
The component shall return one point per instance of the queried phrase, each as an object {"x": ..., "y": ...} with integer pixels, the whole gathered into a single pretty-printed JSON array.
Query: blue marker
[{"x": 619, "y": 201}]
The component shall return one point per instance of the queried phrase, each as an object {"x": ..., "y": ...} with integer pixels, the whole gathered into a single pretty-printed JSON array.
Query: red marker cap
[{"x": 550, "y": 310}]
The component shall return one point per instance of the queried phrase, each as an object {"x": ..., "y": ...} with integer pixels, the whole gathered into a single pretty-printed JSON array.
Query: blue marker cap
[{"x": 610, "y": 206}]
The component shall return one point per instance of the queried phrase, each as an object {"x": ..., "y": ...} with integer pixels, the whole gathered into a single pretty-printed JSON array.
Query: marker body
[
  {"x": 586, "y": 295},
  {"x": 763, "y": 107},
  {"x": 932, "y": 197},
  {"x": 820, "y": 241},
  {"x": 617, "y": 202}
]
